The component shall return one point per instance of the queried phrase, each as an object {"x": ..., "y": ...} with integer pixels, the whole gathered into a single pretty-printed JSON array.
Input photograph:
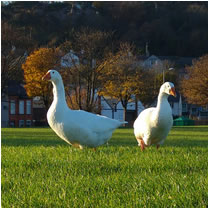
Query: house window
[
  {"x": 184, "y": 107},
  {"x": 12, "y": 107},
  {"x": 21, "y": 107},
  {"x": 21, "y": 123},
  {"x": 28, "y": 107},
  {"x": 12, "y": 123},
  {"x": 152, "y": 62},
  {"x": 28, "y": 123}
]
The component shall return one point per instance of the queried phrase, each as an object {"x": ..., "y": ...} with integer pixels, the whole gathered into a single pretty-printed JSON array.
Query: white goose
[
  {"x": 77, "y": 127},
  {"x": 153, "y": 124}
]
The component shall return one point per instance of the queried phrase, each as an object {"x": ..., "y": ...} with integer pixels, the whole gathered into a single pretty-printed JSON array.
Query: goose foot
[
  {"x": 81, "y": 147},
  {"x": 77, "y": 146}
]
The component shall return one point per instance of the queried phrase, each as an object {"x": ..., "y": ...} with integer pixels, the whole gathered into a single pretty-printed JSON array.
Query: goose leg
[
  {"x": 157, "y": 146},
  {"x": 141, "y": 144}
]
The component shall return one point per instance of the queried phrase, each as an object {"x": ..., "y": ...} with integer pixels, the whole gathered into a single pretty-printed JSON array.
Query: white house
[
  {"x": 113, "y": 108},
  {"x": 151, "y": 62},
  {"x": 70, "y": 60}
]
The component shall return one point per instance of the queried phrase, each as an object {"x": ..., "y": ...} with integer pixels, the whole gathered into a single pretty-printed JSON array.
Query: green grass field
[{"x": 40, "y": 170}]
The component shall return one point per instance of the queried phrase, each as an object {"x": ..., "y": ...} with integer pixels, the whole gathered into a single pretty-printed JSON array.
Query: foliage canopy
[
  {"x": 195, "y": 85},
  {"x": 134, "y": 21},
  {"x": 35, "y": 67}
]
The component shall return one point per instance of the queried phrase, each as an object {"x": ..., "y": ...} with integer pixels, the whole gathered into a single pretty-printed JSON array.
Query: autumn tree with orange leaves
[
  {"x": 122, "y": 78},
  {"x": 195, "y": 85},
  {"x": 35, "y": 67}
]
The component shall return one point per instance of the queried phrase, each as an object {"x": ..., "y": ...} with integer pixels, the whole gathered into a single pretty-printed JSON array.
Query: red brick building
[{"x": 20, "y": 107}]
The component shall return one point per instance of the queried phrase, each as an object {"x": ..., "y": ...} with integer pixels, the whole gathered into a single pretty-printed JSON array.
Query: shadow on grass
[
  {"x": 118, "y": 141},
  {"x": 190, "y": 128},
  {"x": 168, "y": 143},
  {"x": 32, "y": 142},
  {"x": 186, "y": 143},
  {"x": 58, "y": 142},
  {"x": 131, "y": 142},
  {"x": 113, "y": 142}
]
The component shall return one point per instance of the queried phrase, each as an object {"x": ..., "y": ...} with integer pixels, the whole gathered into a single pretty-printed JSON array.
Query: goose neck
[
  {"x": 59, "y": 92},
  {"x": 162, "y": 99}
]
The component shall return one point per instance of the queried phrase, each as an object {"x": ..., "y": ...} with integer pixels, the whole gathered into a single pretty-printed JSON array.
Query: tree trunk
[
  {"x": 124, "y": 114},
  {"x": 124, "y": 104}
]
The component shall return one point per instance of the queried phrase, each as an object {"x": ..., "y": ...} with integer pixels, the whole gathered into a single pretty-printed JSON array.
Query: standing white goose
[
  {"x": 77, "y": 127},
  {"x": 153, "y": 124}
]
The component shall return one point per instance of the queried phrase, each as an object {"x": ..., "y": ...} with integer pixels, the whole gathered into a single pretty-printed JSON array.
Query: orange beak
[
  {"x": 172, "y": 91},
  {"x": 46, "y": 77}
]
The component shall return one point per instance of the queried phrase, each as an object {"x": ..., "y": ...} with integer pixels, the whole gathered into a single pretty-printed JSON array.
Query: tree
[
  {"x": 35, "y": 67},
  {"x": 194, "y": 86},
  {"x": 12, "y": 56},
  {"x": 121, "y": 77},
  {"x": 51, "y": 23},
  {"x": 89, "y": 46},
  {"x": 10, "y": 69}
]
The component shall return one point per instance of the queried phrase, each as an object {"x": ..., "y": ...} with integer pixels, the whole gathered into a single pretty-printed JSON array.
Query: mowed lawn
[{"x": 40, "y": 170}]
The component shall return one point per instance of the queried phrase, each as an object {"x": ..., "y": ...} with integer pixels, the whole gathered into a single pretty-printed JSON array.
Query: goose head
[
  {"x": 168, "y": 88},
  {"x": 53, "y": 76}
]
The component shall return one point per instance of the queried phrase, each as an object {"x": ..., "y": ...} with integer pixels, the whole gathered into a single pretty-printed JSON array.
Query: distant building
[
  {"x": 39, "y": 112},
  {"x": 17, "y": 107},
  {"x": 4, "y": 111},
  {"x": 70, "y": 60},
  {"x": 161, "y": 63},
  {"x": 113, "y": 108}
]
